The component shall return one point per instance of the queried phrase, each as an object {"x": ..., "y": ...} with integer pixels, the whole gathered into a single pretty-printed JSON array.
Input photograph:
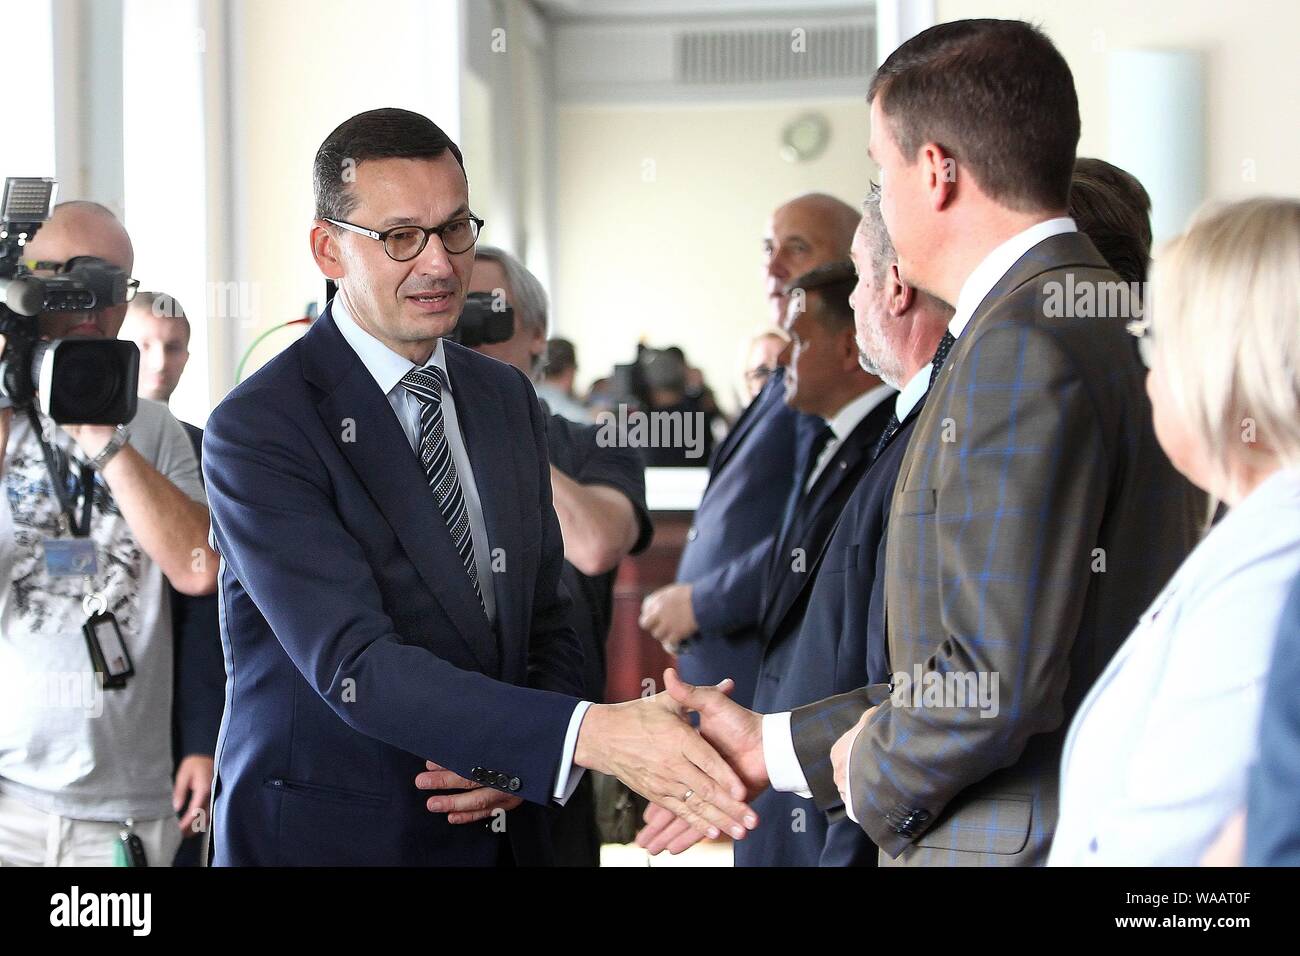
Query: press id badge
[
  {"x": 71, "y": 558},
  {"x": 108, "y": 653}
]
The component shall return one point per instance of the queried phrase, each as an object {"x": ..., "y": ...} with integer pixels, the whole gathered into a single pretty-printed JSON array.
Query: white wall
[
  {"x": 300, "y": 68},
  {"x": 660, "y": 218},
  {"x": 1252, "y": 83}
]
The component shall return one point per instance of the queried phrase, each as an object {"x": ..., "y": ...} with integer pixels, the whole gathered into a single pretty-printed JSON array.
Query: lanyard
[{"x": 67, "y": 506}]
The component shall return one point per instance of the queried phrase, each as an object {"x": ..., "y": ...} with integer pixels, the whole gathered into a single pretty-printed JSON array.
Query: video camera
[
  {"x": 482, "y": 322},
  {"x": 74, "y": 381}
]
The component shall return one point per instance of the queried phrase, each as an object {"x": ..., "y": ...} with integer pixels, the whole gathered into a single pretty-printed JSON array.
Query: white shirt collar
[
  {"x": 912, "y": 393},
  {"x": 385, "y": 365},
  {"x": 997, "y": 263},
  {"x": 848, "y": 417}
]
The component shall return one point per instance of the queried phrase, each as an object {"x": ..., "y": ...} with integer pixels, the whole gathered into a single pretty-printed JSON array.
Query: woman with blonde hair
[{"x": 1157, "y": 756}]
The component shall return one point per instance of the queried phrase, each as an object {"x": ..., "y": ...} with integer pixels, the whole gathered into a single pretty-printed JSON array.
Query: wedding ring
[{"x": 689, "y": 794}]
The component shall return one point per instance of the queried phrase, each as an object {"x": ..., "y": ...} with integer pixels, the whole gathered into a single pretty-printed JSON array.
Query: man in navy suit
[
  {"x": 828, "y": 636},
  {"x": 390, "y": 580},
  {"x": 719, "y": 579},
  {"x": 825, "y": 379}
]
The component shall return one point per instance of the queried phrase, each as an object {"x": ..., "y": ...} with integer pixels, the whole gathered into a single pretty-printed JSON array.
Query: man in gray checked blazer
[{"x": 1035, "y": 516}]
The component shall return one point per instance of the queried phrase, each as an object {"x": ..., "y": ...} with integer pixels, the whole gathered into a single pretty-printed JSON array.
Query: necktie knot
[{"x": 426, "y": 384}]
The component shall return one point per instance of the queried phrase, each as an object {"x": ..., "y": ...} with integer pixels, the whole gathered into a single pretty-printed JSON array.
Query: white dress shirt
[
  {"x": 843, "y": 423},
  {"x": 1157, "y": 755},
  {"x": 912, "y": 393},
  {"x": 778, "y": 745},
  {"x": 388, "y": 369},
  {"x": 997, "y": 264}
]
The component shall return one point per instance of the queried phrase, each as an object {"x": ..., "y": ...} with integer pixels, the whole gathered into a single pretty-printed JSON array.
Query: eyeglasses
[{"x": 403, "y": 243}]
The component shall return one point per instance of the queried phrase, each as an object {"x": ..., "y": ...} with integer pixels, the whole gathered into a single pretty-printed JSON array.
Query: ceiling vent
[{"x": 719, "y": 57}]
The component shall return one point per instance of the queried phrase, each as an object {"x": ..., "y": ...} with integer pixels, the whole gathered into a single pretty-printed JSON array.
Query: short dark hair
[
  {"x": 833, "y": 283},
  {"x": 997, "y": 96},
  {"x": 1113, "y": 209},
  {"x": 560, "y": 357},
  {"x": 376, "y": 134}
]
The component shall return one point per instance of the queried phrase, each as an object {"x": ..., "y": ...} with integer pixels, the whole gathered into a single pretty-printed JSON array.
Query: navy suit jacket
[
  {"x": 827, "y": 640},
  {"x": 727, "y": 549},
  {"x": 199, "y": 676},
  {"x": 355, "y": 645}
]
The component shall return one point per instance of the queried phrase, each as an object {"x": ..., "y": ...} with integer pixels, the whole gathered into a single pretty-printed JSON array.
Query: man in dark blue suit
[
  {"x": 827, "y": 380},
  {"x": 390, "y": 581},
  {"x": 831, "y": 639},
  {"x": 827, "y": 637},
  {"x": 714, "y": 604}
]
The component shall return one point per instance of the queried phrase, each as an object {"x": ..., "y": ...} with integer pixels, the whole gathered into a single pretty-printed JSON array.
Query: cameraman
[
  {"x": 599, "y": 497},
  {"x": 79, "y": 778}
]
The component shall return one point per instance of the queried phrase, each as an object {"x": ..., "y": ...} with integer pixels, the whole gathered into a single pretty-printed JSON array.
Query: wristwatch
[{"x": 121, "y": 435}]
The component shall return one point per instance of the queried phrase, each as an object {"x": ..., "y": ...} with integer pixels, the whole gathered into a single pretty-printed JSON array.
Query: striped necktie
[{"x": 427, "y": 385}]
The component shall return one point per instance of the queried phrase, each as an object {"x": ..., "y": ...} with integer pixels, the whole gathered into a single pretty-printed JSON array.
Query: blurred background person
[
  {"x": 751, "y": 476},
  {"x": 1114, "y": 210},
  {"x": 1156, "y": 761},
  {"x": 555, "y": 381},
  {"x": 760, "y": 362},
  {"x": 157, "y": 324}
]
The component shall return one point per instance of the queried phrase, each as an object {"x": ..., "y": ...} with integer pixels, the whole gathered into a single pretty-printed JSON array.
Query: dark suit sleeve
[
  {"x": 276, "y": 526},
  {"x": 1021, "y": 513},
  {"x": 200, "y": 689},
  {"x": 730, "y": 598},
  {"x": 200, "y": 671},
  {"x": 555, "y": 655}
]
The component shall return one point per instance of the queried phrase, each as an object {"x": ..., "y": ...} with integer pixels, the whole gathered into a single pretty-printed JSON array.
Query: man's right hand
[
  {"x": 649, "y": 745},
  {"x": 735, "y": 731}
]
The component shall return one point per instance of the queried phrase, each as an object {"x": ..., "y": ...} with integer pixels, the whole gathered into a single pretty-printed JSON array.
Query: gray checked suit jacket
[{"x": 1034, "y": 519}]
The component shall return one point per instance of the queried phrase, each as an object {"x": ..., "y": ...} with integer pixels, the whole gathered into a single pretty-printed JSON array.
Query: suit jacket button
[
  {"x": 515, "y": 784},
  {"x": 692, "y": 534},
  {"x": 478, "y": 775}
]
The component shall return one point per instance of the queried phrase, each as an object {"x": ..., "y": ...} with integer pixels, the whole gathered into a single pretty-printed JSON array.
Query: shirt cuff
[
  {"x": 848, "y": 778},
  {"x": 783, "y": 770},
  {"x": 566, "y": 779}
]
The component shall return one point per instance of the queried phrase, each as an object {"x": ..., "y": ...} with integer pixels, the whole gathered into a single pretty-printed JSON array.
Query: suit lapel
[
  {"x": 752, "y": 413},
  {"x": 379, "y": 453},
  {"x": 495, "y": 476},
  {"x": 816, "y": 516}
]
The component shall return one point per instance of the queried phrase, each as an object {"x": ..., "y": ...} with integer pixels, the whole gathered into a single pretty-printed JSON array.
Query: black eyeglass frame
[{"x": 428, "y": 231}]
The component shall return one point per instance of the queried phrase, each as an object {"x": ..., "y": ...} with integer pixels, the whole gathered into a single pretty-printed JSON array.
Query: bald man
[
  {"x": 707, "y": 616},
  {"x": 81, "y": 763}
]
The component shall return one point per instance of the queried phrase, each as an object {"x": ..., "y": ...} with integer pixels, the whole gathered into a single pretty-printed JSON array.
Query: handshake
[{"x": 698, "y": 782}]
